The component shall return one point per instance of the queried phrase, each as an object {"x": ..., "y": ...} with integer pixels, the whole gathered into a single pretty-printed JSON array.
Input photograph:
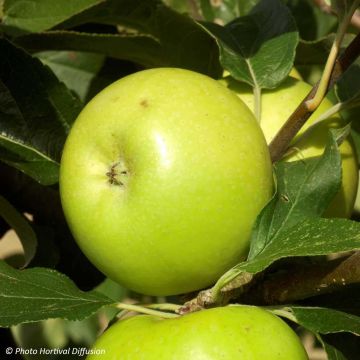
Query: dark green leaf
[
  {"x": 304, "y": 14},
  {"x": 33, "y": 15},
  {"x": 313, "y": 52},
  {"x": 313, "y": 23},
  {"x": 316, "y": 52},
  {"x": 348, "y": 86},
  {"x": 328, "y": 325},
  {"x": 36, "y": 112},
  {"x": 310, "y": 237},
  {"x": 304, "y": 190},
  {"x": 22, "y": 228},
  {"x": 140, "y": 49},
  {"x": 138, "y": 15},
  {"x": 341, "y": 346},
  {"x": 326, "y": 321},
  {"x": 331, "y": 352},
  {"x": 183, "y": 42},
  {"x": 76, "y": 69},
  {"x": 347, "y": 91},
  {"x": 38, "y": 294},
  {"x": 176, "y": 37},
  {"x": 259, "y": 48}
]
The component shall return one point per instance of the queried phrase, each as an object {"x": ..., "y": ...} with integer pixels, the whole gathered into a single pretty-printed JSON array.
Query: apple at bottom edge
[{"x": 226, "y": 333}]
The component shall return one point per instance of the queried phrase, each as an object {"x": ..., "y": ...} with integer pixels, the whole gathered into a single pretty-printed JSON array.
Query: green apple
[
  {"x": 227, "y": 333},
  {"x": 161, "y": 179},
  {"x": 277, "y": 106},
  {"x": 294, "y": 73}
]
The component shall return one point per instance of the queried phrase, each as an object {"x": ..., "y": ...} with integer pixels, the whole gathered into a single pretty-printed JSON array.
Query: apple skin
[
  {"x": 161, "y": 179},
  {"x": 294, "y": 73},
  {"x": 277, "y": 106},
  {"x": 227, "y": 333}
]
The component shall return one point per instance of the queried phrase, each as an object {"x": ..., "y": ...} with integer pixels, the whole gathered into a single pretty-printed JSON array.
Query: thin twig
[
  {"x": 145, "y": 310},
  {"x": 281, "y": 141}
]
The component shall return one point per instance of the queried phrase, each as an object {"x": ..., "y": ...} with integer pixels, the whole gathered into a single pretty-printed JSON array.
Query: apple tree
[{"x": 243, "y": 213}]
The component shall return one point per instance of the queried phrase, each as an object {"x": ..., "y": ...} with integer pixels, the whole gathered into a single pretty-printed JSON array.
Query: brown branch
[
  {"x": 305, "y": 281},
  {"x": 281, "y": 141},
  {"x": 299, "y": 281}
]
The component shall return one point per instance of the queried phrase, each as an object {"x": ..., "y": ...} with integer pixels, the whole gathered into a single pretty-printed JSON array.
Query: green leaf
[
  {"x": 347, "y": 90},
  {"x": 168, "y": 39},
  {"x": 304, "y": 14},
  {"x": 183, "y": 42},
  {"x": 312, "y": 22},
  {"x": 34, "y": 15},
  {"x": 316, "y": 52},
  {"x": 259, "y": 48},
  {"x": 331, "y": 352},
  {"x": 304, "y": 190},
  {"x": 340, "y": 346},
  {"x": 175, "y": 37},
  {"x": 313, "y": 52},
  {"x": 76, "y": 69},
  {"x": 38, "y": 294},
  {"x": 310, "y": 237},
  {"x": 140, "y": 49},
  {"x": 36, "y": 112},
  {"x": 326, "y": 321},
  {"x": 348, "y": 87},
  {"x": 336, "y": 330},
  {"x": 22, "y": 228},
  {"x": 138, "y": 15}
]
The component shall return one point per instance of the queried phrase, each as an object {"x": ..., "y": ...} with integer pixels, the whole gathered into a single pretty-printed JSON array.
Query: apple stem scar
[{"x": 117, "y": 174}]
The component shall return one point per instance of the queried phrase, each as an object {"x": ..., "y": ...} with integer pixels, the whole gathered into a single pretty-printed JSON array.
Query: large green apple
[
  {"x": 228, "y": 333},
  {"x": 277, "y": 106},
  {"x": 161, "y": 179}
]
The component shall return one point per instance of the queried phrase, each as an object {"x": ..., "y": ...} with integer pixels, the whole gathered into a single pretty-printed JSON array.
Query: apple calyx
[{"x": 118, "y": 174}]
